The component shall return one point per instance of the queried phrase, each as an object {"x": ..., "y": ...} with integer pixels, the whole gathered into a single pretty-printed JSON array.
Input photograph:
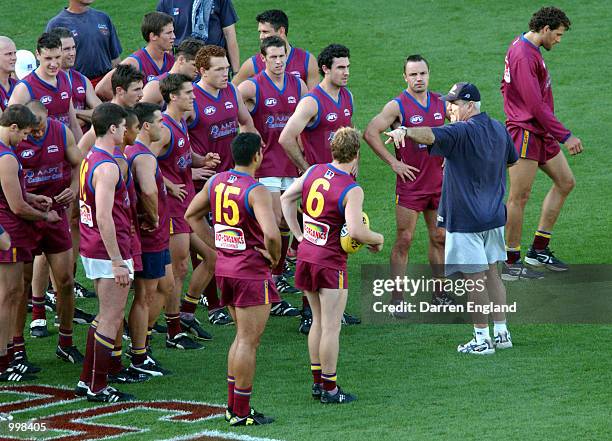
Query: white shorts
[
  {"x": 473, "y": 252},
  {"x": 103, "y": 269},
  {"x": 276, "y": 185}
]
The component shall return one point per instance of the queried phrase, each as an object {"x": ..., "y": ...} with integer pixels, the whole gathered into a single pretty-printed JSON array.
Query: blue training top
[{"x": 477, "y": 153}]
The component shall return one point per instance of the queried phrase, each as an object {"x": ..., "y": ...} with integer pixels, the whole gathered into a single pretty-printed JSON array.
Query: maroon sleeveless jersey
[
  {"x": 20, "y": 230},
  {"x": 135, "y": 248},
  {"x": 79, "y": 89},
  {"x": 5, "y": 95},
  {"x": 331, "y": 115},
  {"x": 175, "y": 165},
  {"x": 55, "y": 98},
  {"x": 273, "y": 108},
  {"x": 237, "y": 232},
  {"x": 429, "y": 178},
  {"x": 91, "y": 245},
  {"x": 297, "y": 63},
  {"x": 148, "y": 67},
  {"x": 159, "y": 239},
  {"x": 215, "y": 124},
  {"x": 45, "y": 167},
  {"x": 322, "y": 197}
]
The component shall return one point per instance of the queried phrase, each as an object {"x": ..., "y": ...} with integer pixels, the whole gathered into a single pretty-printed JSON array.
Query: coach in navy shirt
[
  {"x": 215, "y": 24},
  {"x": 477, "y": 150},
  {"x": 97, "y": 43}
]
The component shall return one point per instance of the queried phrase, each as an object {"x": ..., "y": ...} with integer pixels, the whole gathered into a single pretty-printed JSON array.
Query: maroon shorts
[
  {"x": 241, "y": 293},
  {"x": 313, "y": 277},
  {"x": 418, "y": 202},
  {"x": 53, "y": 238},
  {"x": 16, "y": 254},
  {"x": 535, "y": 147},
  {"x": 178, "y": 225}
]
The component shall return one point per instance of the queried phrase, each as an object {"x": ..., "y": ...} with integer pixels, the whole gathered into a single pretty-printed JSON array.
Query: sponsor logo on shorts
[
  {"x": 229, "y": 105},
  {"x": 46, "y": 99},
  {"x": 331, "y": 116},
  {"x": 315, "y": 232},
  {"x": 27, "y": 153},
  {"x": 209, "y": 110},
  {"x": 416, "y": 119},
  {"x": 229, "y": 238},
  {"x": 291, "y": 100},
  {"x": 270, "y": 102}
]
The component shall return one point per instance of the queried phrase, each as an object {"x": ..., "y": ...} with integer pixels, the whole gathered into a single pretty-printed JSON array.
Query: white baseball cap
[{"x": 26, "y": 63}]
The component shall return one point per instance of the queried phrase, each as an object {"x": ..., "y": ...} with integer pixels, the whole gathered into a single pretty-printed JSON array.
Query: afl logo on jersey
[
  {"x": 181, "y": 142},
  {"x": 46, "y": 99},
  {"x": 80, "y": 89},
  {"x": 229, "y": 105},
  {"x": 209, "y": 110},
  {"x": 416, "y": 119},
  {"x": 331, "y": 116},
  {"x": 270, "y": 102},
  {"x": 27, "y": 153},
  {"x": 291, "y": 100}
]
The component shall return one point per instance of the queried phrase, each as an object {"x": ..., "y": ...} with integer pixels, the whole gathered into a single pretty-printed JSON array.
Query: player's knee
[
  {"x": 567, "y": 184},
  {"x": 437, "y": 238},
  {"x": 181, "y": 268},
  {"x": 520, "y": 197},
  {"x": 404, "y": 240},
  {"x": 64, "y": 280}
]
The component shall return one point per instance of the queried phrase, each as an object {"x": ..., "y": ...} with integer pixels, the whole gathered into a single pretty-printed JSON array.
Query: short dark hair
[
  {"x": 189, "y": 48},
  {"x": 145, "y": 112},
  {"x": 415, "y": 58},
  {"x": 106, "y": 115},
  {"x": 327, "y": 55},
  {"x": 20, "y": 115},
  {"x": 273, "y": 41},
  {"x": 276, "y": 18},
  {"x": 125, "y": 75},
  {"x": 154, "y": 22},
  {"x": 244, "y": 147},
  {"x": 550, "y": 16},
  {"x": 131, "y": 117},
  {"x": 48, "y": 41},
  {"x": 172, "y": 84},
  {"x": 61, "y": 33}
]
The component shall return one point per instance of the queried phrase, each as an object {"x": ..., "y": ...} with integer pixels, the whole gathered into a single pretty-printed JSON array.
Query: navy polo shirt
[
  {"x": 477, "y": 153},
  {"x": 96, "y": 39},
  {"x": 222, "y": 16}
]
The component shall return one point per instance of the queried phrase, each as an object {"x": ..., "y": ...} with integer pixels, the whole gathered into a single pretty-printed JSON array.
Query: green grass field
[{"x": 555, "y": 383}]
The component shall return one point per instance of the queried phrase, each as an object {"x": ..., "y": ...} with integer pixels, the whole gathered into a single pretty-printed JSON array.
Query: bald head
[{"x": 8, "y": 55}]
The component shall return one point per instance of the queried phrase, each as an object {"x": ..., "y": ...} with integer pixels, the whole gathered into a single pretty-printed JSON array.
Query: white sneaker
[
  {"x": 503, "y": 340},
  {"x": 472, "y": 347}
]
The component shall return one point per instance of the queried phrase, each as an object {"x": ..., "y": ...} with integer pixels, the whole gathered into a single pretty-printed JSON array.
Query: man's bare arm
[{"x": 306, "y": 110}]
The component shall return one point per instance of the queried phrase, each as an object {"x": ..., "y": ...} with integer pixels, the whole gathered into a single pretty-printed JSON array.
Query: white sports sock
[
  {"x": 499, "y": 328},
  {"x": 482, "y": 334}
]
